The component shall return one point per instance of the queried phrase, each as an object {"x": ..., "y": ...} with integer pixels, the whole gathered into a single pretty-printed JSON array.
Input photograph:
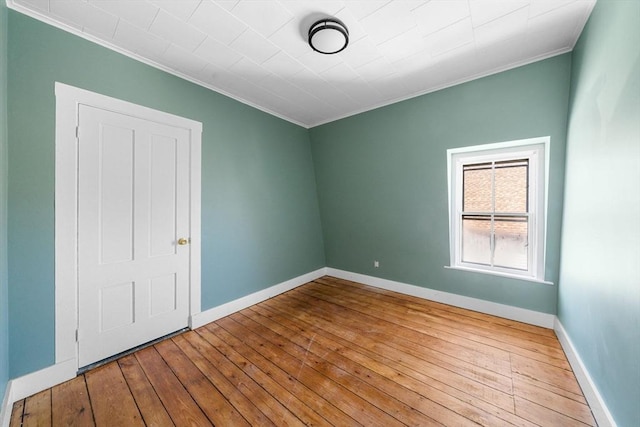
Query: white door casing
[{"x": 130, "y": 293}]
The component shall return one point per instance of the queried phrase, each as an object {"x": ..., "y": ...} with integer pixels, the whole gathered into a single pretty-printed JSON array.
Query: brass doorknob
[{"x": 182, "y": 241}]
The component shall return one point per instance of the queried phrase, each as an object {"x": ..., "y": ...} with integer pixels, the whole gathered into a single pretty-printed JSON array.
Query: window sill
[{"x": 497, "y": 273}]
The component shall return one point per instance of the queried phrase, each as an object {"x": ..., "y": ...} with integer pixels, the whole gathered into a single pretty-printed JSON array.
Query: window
[{"x": 497, "y": 196}]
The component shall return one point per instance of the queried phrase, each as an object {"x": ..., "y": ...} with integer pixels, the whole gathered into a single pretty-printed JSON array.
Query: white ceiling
[{"x": 256, "y": 51}]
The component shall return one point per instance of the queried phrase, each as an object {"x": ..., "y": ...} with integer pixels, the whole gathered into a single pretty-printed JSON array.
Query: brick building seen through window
[{"x": 495, "y": 207}]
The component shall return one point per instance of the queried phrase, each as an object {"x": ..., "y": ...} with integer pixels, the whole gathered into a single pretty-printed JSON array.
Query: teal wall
[
  {"x": 260, "y": 218},
  {"x": 382, "y": 179},
  {"x": 4, "y": 296},
  {"x": 599, "y": 292}
]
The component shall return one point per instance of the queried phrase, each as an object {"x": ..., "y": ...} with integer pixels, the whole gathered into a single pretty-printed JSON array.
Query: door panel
[
  {"x": 133, "y": 206},
  {"x": 162, "y": 295},
  {"x": 115, "y": 188},
  {"x": 163, "y": 195}
]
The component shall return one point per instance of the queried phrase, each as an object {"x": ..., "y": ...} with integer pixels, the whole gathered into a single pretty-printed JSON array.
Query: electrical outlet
[{"x": 376, "y": 264}]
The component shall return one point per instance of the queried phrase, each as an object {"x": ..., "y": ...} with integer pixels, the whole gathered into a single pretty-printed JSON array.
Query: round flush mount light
[{"x": 328, "y": 36}]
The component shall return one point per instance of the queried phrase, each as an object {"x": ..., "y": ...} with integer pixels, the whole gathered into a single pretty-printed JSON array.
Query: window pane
[
  {"x": 477, "y": 188},
  {"x": 511, "y": 242},
  {"x": 476, "y": 239},
  {"x": 511, "y": 186}
]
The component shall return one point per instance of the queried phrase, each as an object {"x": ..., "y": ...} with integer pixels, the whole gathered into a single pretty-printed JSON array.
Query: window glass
[
  {"x": 511, "y": 185},
  {"x": 476, "y": 239},
  {"x": 511, "y": 236},
  {"x": 477, "y": 188}
]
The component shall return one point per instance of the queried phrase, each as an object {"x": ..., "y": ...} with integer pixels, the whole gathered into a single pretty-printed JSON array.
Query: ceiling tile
[
  {"x": 226, "y": 4},
  {"x": 254, "y": 46},
  {"x": 556, "y": 30},
  {"x": 301, "y": 9},
  {"x": 321, "y": 89},
  {"x": 287, "y": 90},
  {"x": 360, "y": 91},
  {"x": 376, "y": 69},
  {"x": 317, "y": 62},
  {"x": 406, "y": 44},
  {"x": 541, "y": 43},
  {"x": 176, "y": 31},
  {"x": 84, "y": 15},
  {"x": 565, "y": 18},
  {"x": 361, "y": 52},
  {"x": 66, "y": 22},
  {"x": 240, "y": 87},
  {"x": 216, "y": 22},
  {"x": 463, "y": 51},
  {"x": 248, "y": 70},
  {"x": 265, "y": 17},
  {"x": 388, "y": 22},
  {"x": 291, "y": 38},
  {"x": 286, "y": 107},
  {"x": 415, "y": 63},
  {"x": 181, "y": 9},
  {"x": 438, "y": 14},
  {"x": 217, "y": 53},
  {"x": 282, "y": 64},
  {"x": 209, "y": 74},
  {"x": 363, "y": 8},
  {"x": 39, "y": 5},
  {"x": 139, "y": 13},
  {"x": 184, "y": 61},
  {"x": 505, "y": 27},
  {"x": 391, "y": 87},
  {"x": 502, "y": 54},
  {"x": 539, "y": 7},
  {"x": 356, "y": 31},
  {"x": 483, "y": 11},
  {"x": 138, "y": 40},
  {"x": 414, "y": 4},
  {"x": 442, "y": 74},
  {"x": 450, "y": 38},
  {"x": 340, "y": 72}
]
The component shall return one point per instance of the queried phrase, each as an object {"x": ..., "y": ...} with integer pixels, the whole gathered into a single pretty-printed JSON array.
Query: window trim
[{"x": 538, "y": 150}]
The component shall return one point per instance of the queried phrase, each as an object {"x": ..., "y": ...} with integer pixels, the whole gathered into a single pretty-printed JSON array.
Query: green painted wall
[
  {"x": 260, "y": 218},
  {"x": 382, "y": 179},
  {"x": 599, "y": 293},
  {"x": 4, "y": 296}
]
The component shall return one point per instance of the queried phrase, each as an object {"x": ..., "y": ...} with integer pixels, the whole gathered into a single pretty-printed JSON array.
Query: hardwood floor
[{"x": 330, "y": 352}]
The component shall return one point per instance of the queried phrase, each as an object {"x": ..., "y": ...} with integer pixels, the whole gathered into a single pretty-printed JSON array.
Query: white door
[{"x": 133, "y": 232}]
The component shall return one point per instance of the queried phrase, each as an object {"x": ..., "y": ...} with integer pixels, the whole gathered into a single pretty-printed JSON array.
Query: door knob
[{"x": 182, "y": 241}]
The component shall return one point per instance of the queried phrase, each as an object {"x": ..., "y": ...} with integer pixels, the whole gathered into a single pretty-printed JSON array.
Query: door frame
[{"x": 68, "y": 101}]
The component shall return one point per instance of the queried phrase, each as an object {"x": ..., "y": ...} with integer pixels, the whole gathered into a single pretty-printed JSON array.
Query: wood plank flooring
[{"x": 330, "y": 352}]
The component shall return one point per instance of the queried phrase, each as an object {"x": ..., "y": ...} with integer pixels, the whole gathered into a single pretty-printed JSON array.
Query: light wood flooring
[{"x": 330, "y": 352}]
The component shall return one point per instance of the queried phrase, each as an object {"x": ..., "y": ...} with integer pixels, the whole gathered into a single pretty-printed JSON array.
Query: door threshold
[{"x": 128, "y": 352}]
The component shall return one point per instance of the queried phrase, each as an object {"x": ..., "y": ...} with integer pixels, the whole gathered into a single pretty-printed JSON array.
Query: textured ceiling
[{"x": 256, "y": 50}]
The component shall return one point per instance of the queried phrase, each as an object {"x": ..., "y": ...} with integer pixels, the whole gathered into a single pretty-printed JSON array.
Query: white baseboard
[
  {"x": 537, "y": 318},
  {"x": 27, "y": 385},
  {"x": 223, "y": 310},
  {"x": 596, "y": 403},
  {"x": 7, "y": 406}
]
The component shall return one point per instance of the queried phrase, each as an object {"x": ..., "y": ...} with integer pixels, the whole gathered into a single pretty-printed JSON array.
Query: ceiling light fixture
[{"x": 328, "y": 36}]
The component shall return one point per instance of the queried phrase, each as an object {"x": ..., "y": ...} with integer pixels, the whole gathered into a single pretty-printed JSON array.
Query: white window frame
[{"x": 536, "y": 150}]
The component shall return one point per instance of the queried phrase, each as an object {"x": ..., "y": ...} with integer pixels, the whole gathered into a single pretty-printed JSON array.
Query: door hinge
[
  {"x": 77, "y": 335},
  {"x": 77, "y": 131}
]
